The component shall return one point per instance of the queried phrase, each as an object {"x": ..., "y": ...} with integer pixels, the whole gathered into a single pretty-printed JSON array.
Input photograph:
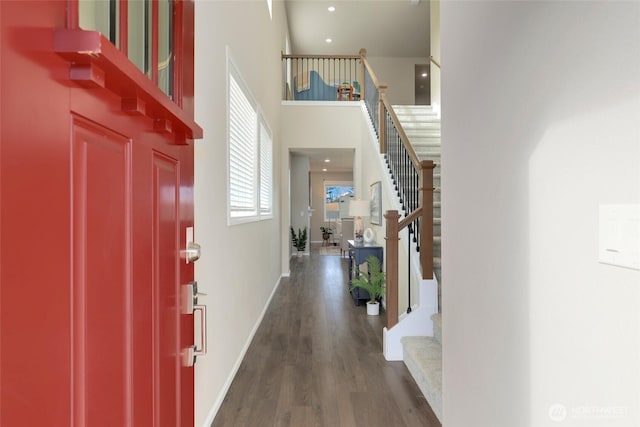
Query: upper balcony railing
[{"x": 322, "y": 77}]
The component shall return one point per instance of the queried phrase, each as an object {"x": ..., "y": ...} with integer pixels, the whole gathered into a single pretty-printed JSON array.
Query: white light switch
[{"x": 620, "y": 235}]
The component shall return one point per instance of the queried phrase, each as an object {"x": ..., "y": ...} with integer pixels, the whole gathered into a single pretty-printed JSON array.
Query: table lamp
[{"x": 358, "y": 209}]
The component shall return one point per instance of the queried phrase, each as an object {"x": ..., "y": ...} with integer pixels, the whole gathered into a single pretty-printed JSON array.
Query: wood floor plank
[
  {"x": 324, "y": 397},
  {"x": 316, "y": 360},
  {"x": 285, "y": 397},
  {"x": 346, "y": 414}
]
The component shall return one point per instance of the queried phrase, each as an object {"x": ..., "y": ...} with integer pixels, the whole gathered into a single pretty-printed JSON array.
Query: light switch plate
[{"x": 619, "y": 235}]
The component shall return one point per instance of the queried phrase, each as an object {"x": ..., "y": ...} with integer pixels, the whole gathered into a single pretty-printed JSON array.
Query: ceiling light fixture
[
  {"x": 424, "y": 74},
  {"x": 331, "y": 8},
  {"x": 327, "y": 160},
  {"x": 324, "y": 169},
  {"x": 328, "y": 40}
]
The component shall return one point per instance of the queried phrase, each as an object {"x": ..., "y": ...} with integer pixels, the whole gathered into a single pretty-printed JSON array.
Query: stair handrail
[
  {"x": 433, "y": 61},
  {"x": 385, "y": 106},
  {"x": 422, "y": 213},
  {"x": 401, "y": 133},
  {"x": 384, "y": 101}
]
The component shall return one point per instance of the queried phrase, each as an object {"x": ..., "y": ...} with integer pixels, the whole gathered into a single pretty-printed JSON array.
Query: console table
[{"x": 358, "y": 254}]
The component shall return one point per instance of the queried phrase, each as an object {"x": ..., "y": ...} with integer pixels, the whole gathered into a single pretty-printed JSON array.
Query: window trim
[
  {"x": 268, "y": 213},
  {"x": 326, "y": 184}
]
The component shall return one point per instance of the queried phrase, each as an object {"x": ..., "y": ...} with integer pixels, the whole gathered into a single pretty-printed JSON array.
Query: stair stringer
[{"x": 418, "y": 322}]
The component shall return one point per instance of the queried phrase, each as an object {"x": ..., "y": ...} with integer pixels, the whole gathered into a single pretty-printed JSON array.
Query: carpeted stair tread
[
  {"x": 430, "y": 144},
  {"x": 423, "y": 357},
  {"x": 426, "y": 155},
  {"x": 418, "y": 128}
]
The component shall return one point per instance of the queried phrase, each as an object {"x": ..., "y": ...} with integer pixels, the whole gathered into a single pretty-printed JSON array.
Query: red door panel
[
  {"x": 93, "y": 209},
  {"x": 166, "y": 282},
  {"x": 35, "y": 312},
  {"x": 102, "y": 306}
]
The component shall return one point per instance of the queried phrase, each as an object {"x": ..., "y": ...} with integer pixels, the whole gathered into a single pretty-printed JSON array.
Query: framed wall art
[{"x": 376, "y": 203}]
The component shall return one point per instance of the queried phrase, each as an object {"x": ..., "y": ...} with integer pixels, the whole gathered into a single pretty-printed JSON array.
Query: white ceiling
[
  {"x": 386, "y": 28},
  {"x": 340, "y": 159}
]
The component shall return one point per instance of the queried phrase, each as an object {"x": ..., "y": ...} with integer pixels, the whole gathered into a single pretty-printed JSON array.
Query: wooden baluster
[{"x": 391, "y": 260}]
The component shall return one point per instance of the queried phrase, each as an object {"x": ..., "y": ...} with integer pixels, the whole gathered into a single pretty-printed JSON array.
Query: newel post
[
  {"x": 363, "y": 54},
  {"x": 391, "y": 260},
  {"x": 426, "y": 232},
  {"x": 382, "y": 118}
]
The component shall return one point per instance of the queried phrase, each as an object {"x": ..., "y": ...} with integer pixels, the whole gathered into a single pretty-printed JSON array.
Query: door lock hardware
[{"x": 192, "y": 250}]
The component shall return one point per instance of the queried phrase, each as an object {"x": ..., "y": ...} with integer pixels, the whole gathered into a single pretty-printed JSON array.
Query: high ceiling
[{"x": 386, "y": 28}]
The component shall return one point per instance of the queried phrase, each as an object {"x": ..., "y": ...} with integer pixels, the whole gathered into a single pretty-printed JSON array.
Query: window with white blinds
[{"x": 250, "y": 156}]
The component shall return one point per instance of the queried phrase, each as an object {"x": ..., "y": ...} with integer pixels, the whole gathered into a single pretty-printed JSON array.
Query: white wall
[
  {"x": 540, "y": 125},
  {"x": 399, "y": 75},
  {"x": 239, "y": 267},
  {"x": 299, "y": 197},
  {"x": 435, "y": 52}
]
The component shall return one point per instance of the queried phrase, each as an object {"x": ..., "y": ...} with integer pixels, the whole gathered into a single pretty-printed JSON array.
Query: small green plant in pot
[
  {"x": 373, "y": 282},
  {"x": 300, "y": 240},
  {"x": 326, "y": 233},
  {"x": 326, "y": 230}
]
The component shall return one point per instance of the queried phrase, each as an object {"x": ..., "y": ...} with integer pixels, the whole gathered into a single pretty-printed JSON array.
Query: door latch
[{"x": 192, "y": 251}]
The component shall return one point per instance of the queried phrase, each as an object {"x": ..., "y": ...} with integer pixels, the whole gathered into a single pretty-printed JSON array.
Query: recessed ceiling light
[
  {"x": 328, "y": 40},
  {"x": 331, "y": 8},
  {"x": 424, "y": 74},
  {"x": 327, "y": 160},
  {"x": 324, "y": 169}
]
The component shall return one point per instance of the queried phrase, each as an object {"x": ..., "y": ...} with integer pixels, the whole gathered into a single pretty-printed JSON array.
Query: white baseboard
[{"x": 216, "y": 405}]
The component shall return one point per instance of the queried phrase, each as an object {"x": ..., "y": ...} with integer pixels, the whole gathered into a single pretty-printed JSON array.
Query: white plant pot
[{"x": 373, "y": 309}]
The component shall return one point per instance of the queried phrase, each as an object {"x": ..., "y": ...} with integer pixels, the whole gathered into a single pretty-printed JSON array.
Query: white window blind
[
  {"x": 243, "y": 153},
  {"x": 250, "y": 162}
]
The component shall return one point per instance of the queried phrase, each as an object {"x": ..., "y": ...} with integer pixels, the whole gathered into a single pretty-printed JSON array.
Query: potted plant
[
  {"x": 299, "y": 240},
  {"x": 373, "y": 282},
  {"x": 326, "y": 233}
]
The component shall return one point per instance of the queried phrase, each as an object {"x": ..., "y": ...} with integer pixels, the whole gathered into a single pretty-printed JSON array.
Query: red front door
[{"x": 94, "y": 206}]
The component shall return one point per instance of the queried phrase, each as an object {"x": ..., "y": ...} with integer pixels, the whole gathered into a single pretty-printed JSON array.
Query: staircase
[
  {"x": 423, "y": 354},
  {"x": 422, "y": 126}
]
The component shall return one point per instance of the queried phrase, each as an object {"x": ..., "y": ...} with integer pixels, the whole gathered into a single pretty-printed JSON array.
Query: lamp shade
[{"x": 359, "y": 208}]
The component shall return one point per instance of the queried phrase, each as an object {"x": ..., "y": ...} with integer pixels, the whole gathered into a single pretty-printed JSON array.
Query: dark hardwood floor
[{"x": 316, "y": 360}]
